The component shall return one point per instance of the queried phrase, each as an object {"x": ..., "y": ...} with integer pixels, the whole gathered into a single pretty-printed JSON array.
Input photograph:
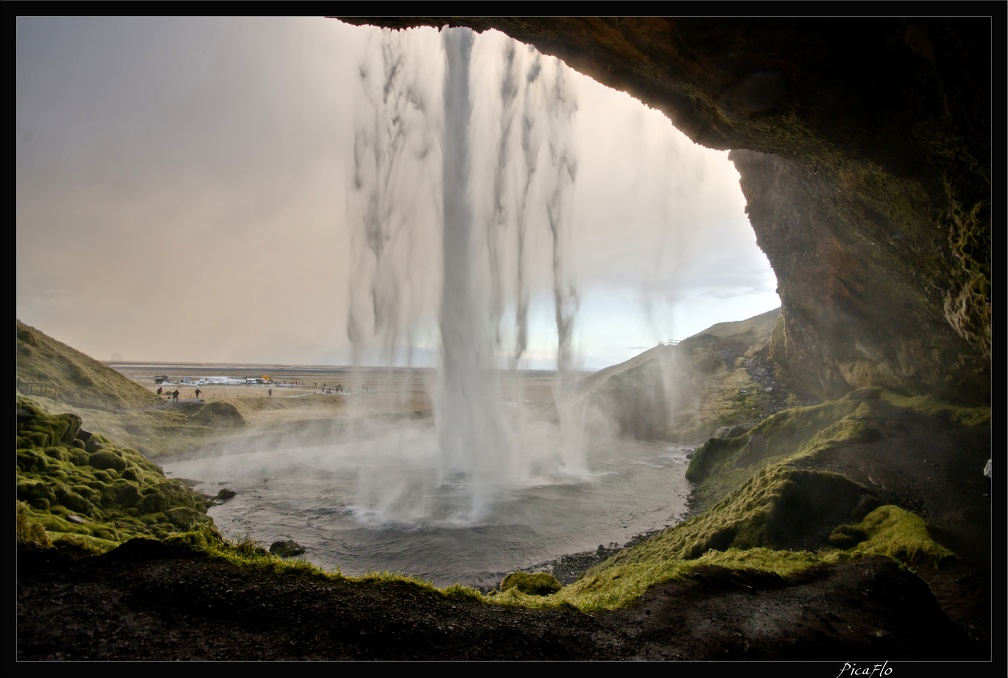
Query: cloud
[{"x": 183, "y": 193}]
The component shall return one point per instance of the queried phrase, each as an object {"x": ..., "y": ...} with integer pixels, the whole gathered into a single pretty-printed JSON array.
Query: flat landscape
[{"x": 308, "y": 392}]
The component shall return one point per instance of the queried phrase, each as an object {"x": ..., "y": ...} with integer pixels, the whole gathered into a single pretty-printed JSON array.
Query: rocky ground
[
  {"x": 147, "y": 603},
  {"x": 150, "y": 604}
]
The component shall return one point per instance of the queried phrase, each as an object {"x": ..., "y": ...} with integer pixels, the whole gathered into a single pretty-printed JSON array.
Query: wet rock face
[{"x": 863, "y": 145}]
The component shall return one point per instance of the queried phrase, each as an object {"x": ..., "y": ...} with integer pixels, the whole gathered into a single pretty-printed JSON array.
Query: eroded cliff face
[
  {"x": 863, "y": 283},
  {"x": 863, "y": 146}
]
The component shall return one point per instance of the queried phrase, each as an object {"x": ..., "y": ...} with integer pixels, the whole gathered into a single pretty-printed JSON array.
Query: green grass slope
[
  {"x": 721, "y": 377},
  {"x": 60, "y": 379},
  {"x": 50, "y": 364}
]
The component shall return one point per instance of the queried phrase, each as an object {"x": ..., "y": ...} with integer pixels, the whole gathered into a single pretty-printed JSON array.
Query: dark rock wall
[
  {"x": 864, "y": 150},
  {"x": 861, "y": 279}
]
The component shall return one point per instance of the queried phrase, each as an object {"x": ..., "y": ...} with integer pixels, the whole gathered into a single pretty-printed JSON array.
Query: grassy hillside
[
  {"x": 47, "y": 367},
  {"x": 60, "y": 379},
  {"x": 720, "y": 378}
]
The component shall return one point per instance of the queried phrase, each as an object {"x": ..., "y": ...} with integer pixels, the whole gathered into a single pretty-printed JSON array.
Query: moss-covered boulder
[
  {"x": 107, "y": 459},
  {"x": 220, "y": 414},
  {"x": 531, "y": 583},
  {"x": 286, "y": 548},
  {"x": 91, "y": 492}
]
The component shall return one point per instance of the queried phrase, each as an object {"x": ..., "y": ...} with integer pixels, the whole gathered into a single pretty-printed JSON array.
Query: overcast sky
[{"x": 185, "y": 193}]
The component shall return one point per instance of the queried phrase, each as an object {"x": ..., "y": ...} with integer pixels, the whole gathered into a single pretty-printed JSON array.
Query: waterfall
[{"x": 448, "y": 204}]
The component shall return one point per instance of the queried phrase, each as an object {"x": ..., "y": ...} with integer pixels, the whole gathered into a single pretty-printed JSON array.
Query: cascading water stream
[
  {"x": 481, "y": 448},
  {"x": 474, "y": 445}
]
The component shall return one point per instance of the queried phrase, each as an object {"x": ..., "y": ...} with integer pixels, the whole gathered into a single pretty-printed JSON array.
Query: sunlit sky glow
[{"x": 183, "y": 194}]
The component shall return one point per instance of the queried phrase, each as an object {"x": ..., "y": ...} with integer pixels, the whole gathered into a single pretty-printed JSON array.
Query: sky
[{"x": 191, "y": 189}]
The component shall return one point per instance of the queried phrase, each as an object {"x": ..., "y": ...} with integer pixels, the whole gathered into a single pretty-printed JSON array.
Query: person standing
[
  {"x": 987, "y": 476},
  {"x": 175, "y": 395},
  {"x": 198, "y": 393}
]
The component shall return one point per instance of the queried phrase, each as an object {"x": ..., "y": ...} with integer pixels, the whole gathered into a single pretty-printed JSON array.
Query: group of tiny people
[
  {"x": 339, "y": 388},
  {"x": 175, "y": 394},
  {"x": 197, "y": 393}
]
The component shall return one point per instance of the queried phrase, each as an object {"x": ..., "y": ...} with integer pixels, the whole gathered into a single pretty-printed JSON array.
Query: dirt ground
[{"x": 143, "y": 603}]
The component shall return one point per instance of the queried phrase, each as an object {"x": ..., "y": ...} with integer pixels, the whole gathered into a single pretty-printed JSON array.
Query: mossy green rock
[
  {"x": 99, "y": 498},
  {"x": 531, "y": 583}
]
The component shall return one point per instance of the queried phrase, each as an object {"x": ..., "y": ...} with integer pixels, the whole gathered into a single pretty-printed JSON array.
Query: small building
[{"x": 162, "y": 379}]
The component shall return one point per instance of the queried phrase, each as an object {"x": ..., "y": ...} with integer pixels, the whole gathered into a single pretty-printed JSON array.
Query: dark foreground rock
[{"x": 151, "y": 601}]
